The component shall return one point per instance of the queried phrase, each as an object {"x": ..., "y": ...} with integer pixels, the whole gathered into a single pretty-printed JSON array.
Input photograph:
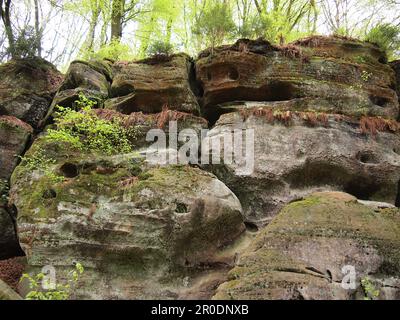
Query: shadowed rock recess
[{"x": 323, "y": 194}]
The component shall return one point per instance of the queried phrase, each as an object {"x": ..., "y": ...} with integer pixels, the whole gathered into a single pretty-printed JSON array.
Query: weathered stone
[
  {"x": 14, "y": 135},
  {"x": 90, "y": 79},
  {"x": 350, "y": 78},
  {"x": 131, "y": 225},
  {"x": 151, "y": 85},
  {"x": 301, "y": 253},
  {"x": 6, "y": 293},
  {"x": 396, "y": 67},
  {"x": 302, "y": 154},
  {"x": 27, "y": 87}
]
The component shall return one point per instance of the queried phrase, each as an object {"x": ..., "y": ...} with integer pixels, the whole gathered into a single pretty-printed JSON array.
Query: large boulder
[
  {"x": 309, "y": 248},
  {"x": 298, "y": 153},
  {"x": 151, "y": 85},
  {"x": 326, "y": 74},
  {"x": 141, "y": 231},
  {"x": 27, "y": 87}
]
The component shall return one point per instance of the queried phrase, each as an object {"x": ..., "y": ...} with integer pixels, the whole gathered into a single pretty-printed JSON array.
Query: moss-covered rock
[
  {"x": 27, "y": 87},
  {"x": 301, "y": 253},
  {"x": 121, "y": 218}
]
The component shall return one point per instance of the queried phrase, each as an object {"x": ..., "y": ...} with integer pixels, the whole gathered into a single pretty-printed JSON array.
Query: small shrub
[
  {"x": 160, "y": 48},
  {"x": 26, "y": 44},
  {"x": 61, "y": 292},
  {"x": 387, "y": 37},
  {"x": 115, "y": 51}
]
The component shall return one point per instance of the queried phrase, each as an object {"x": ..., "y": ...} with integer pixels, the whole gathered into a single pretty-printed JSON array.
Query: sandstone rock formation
[
  {"x": 317, "y": 74},
  {"x": 297, "y": 155},
  {"x": 26, "y": 89},
  {"x": 301, "y": 253},
  {"x": 324, "y": 114},
  {"x": 153, "y": 84},
  {"x": 119, "y": 217}
]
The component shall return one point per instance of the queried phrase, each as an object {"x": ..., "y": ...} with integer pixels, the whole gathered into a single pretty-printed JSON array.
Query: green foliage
[
  {"x": 115, "y": 50},
  {"x": 61, "y": 292},
  {"x": 160, "y": 48},
  {"x": 26, "y": 44},
  {"x": 370, "y": 291},
  {"x": 40, "y": 161},
  {"x": 386, "y": 36},
  {"x": 215, "y": 24},
  {"x": 84, "y": 131}
]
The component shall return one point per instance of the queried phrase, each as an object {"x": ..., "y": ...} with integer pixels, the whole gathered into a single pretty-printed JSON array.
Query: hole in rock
[
  {"x": 69, "y": 170},
  {"x": 250, "y": 226},
  {"x": 397, "y": 203},
  {"x": 49, "y": 194},
  {"x": 181, "y": 207},
  {"x": 366, "y": 157},
  {"x": 379, "y": 101},
  {"x": 362, "y": 188}
]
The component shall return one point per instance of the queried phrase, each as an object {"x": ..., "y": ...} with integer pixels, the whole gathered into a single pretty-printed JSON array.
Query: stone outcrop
[
  {"x": 298, "y": 153},
  {"x": 132, "y": 226},
  {"x": 27, "y": 88},
  {"x": 301, "y": 253},
  {"x": 88, "y": 78},
  {"x": 317, "y": 74},
  {"x": 324, "y": 114},
  {"x": 153, "y": 84}
]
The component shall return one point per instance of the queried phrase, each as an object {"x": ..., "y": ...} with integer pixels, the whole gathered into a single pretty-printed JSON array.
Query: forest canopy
[{"x": 61, "y": 30}]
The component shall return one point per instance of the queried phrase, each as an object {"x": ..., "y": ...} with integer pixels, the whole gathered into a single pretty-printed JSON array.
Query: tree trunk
[
  {"x": 38, "y": 32},
  {"x": 5, "y": 16},
  {"x": 116, "y": 19}
]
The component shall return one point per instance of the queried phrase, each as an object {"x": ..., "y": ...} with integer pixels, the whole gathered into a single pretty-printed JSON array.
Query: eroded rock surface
[
  {"x": 27, "y": 87},
  {"x": 294, "y": 157},
  {"x": 301, "y": 253},
  {"x": 318, "y": 74},
  {"x": 132, "y": 226},
  {"x": 151, "y": 85}
]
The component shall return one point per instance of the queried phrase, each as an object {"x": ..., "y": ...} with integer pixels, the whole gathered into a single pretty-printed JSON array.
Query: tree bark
[
  {"x": 116, "y": 19},
  {"x": 5, "y": 16},
  {"x": 38, "y": 32}
]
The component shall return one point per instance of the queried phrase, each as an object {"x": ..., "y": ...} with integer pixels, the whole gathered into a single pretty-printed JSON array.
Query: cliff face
[{"x": 324, "y": 116}]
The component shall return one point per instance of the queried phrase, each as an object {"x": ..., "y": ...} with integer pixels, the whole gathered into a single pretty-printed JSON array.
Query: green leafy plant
[
  {"x": 160, "y": 48},
  {"x": 40, "y": 161},
  {"x": 386, "y": 36},
  {"x": 115, "y": 50},
  {"x": 370, "y": 291},
  {"x": 62, "y": 291},
  {"x": 215, "y": 24},
  {"x": 85, "y": 131}
]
